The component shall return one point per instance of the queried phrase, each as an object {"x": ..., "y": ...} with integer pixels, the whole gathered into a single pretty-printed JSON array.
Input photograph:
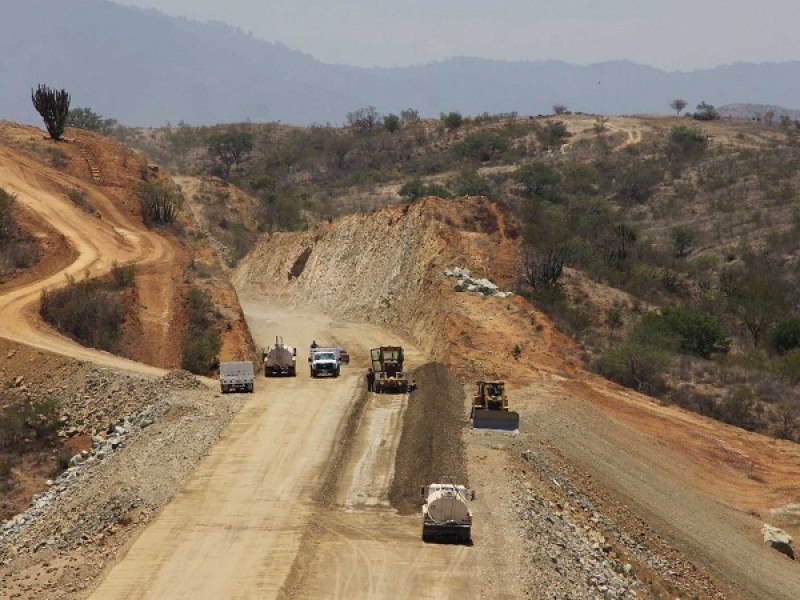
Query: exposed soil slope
[
  {"x": 386, "y": 267},
  {"x": 41, "y": 173}
]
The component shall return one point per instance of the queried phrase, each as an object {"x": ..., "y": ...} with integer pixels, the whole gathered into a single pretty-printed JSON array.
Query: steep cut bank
[
  {"x": 387, "y": 267},
  {"x": 431, "y": 446}
]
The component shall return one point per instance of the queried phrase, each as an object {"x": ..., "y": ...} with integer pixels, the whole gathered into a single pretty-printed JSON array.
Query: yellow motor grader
[{"x": 490, "y": 407}]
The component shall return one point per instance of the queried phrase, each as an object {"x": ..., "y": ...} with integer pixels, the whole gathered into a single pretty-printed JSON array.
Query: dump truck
[
  {"x": 446, "y": 513},
  {"x": 280, "y": 359},
  {"x": 237, "y": 376},
  {"x": 324, "y": 361},
  {"x": 490, "y": 407},
  {"x": 387, "y": 362}
]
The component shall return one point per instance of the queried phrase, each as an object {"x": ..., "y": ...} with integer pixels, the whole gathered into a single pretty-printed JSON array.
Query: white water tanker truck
[
  {"x": 446, "y": 513},
  {"x": 280, "y": 359}
]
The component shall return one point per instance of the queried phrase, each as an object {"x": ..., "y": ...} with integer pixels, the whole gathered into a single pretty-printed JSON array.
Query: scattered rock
[
  {"x": 466, "y": 283},
  {"x": 778, "y": 539}
]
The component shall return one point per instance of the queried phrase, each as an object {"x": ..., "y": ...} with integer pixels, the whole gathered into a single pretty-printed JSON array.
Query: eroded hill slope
[{"x": 700, "y": 489}]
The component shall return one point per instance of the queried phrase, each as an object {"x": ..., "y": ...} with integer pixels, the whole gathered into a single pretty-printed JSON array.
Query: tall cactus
[{"x": 53, "y": 106}]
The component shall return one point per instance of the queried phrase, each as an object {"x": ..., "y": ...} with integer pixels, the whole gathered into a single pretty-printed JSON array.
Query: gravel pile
[
  {"x": 430, "y": 446},
  {"x": 590, "y": 551}
]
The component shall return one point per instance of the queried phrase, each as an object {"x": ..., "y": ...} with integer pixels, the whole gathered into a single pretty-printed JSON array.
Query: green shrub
[
  {"x": 452, "y": 120},
  {"x": 788, "y": 366},
  {"x": 637, "y": 182},
  {"x": 159, "y": 203},
  {"x": 124, "y": 276},
  {"x": 201, "y": 339},
  {"x": 91, "y": 312},
  {"x": 552, "y": 135},
  {"x": 79, "y": 199},
  {"x": 416, "y": 189},
  {"x": 539, "y": 181},
  {"x": 785, "y": 335},
  {"x": 8, "y": 224},
  {"x": 687, "y": 143},
  {"x": 28, "y": 420},
  {"x": 636, "y": 365},
  {"x": 697, "y": 334},
  {"x": 482, "y": 145},
  {"x": 472, "y": 184}
]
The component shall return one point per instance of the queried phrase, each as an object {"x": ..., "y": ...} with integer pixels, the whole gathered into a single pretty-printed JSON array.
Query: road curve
[{"x": 98, "y": 242}]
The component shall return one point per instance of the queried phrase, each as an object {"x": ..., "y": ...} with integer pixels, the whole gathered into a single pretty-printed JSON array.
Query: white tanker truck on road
[
  {"x": 446, "y": 513},
  {"x": 280, "y": 359}
]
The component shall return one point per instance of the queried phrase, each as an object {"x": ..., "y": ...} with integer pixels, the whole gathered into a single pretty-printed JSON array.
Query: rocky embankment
[{"x": 145, "y": 437}]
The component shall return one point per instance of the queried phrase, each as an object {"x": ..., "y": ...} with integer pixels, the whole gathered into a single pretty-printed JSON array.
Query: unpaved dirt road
[
  {"x": 284, "y": 506},
  {"x": 99, "y": 243}
]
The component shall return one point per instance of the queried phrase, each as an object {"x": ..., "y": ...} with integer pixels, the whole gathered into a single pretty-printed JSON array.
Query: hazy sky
[{"x": 674, "y": 34}]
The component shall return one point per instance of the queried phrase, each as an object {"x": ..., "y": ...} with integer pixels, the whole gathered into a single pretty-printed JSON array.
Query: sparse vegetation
[
  {"x": 670, "y": 221},
  {"x": 159, "y": 203},
  {"x": 201, "y": 340},
  {"x": 91, "y": 311},
  {"x": 86, "y": 118}
]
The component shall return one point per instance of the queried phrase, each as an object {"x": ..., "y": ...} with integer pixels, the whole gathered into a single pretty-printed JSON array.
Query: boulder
[{"x": 778, "y": 539}]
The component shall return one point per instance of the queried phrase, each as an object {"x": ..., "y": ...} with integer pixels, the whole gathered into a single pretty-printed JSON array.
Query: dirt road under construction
[{"x": 282, "y": 507}]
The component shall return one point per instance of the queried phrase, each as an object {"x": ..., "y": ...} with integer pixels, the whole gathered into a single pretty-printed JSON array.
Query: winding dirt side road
[{"x": 98, "y": 242}]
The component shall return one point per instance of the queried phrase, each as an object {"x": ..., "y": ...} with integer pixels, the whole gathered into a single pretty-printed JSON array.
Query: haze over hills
[{"x": 146, "y": 68}]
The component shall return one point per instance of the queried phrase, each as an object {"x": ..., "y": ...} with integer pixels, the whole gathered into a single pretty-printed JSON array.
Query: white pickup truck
[
  {"x": 236, "y": 376},
  {"x": 324, "y": 361}
]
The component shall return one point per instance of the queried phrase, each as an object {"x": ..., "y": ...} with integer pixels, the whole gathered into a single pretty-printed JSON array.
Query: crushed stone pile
[{"x": 467, "y": 283}]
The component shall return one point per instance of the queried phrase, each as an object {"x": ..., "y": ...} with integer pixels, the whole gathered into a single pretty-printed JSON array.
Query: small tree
[
  {"x": 613, "y": 320},
  {"x": 452, "y": 120},
  {"x": 706, "y": 112},
  {"x": 539, "y": 181},
  {"x": 552, "y": 135},
  {"x": 53, "y": 106},
  {"x": 230, "y": 148},
  {"x": 409, "y": 116},
  {"x": 682, "y": 239},
  {"x": 364, "y": 120},
  {"x": 560, "y": 109},
  {"x": 86, "y": 118},
  {"x": 678, "y": 105},
  {"x": 391, "y": 123},
  {"x": 8, "y": 224}
]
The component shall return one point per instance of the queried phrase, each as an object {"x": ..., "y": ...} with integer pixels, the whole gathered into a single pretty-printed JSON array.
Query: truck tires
[
  {"x": 292, "y": 372},
  {"x": 249, "y": 388}
]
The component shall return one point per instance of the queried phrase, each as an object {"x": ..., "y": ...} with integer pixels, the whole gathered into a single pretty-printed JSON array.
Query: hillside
[
  {"x": 618, "y": 216},
  {"x": 94, "y": 48},
  {"x": 709, "y": 485}
]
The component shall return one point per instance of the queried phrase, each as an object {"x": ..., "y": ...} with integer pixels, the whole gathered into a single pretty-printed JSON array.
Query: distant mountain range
[{"x": 146, "y": 68}]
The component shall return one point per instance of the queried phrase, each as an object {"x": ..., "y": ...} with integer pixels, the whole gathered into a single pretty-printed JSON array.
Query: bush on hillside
[
  {"x": 472, "y": 184},
  {"x": 91, "y": 312},
  {"x": 416, "y": 189},
  {"x": 25, "y": 421},
  {"x": 201, "y": 339},
  {"x": 696, "y": 333},
  {"x": 636, "y": 365},
  {"x": 452, "y": 120},
  {"x": 482, "y": 146},
  {"x": 785, "y": 335},
  {"x": 159, "y": 203}
]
